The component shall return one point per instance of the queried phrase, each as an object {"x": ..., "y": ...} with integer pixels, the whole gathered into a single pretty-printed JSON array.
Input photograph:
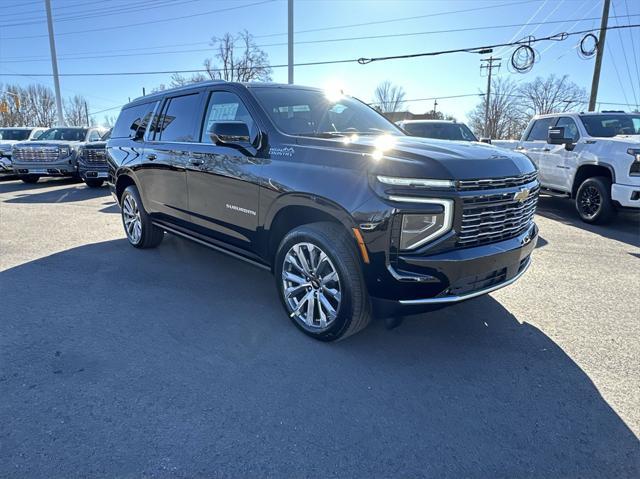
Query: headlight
[
  {"x": 418, "y": 182},
  {"x": 420, "y": 228},
  {"x": 64, "y": 151},
  {"x": 635, "y": 166}
]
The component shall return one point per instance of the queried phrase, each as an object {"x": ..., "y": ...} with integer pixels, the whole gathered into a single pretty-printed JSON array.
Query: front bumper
[
  {"x": 93, "y": 171},
  {"x": 627, "y": 195},
  {"x": 422, "y": 283},
  {"x": 64, "y": 167}
]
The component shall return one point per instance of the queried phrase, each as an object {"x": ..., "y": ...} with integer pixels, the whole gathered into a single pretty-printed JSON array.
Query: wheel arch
[
  {"x": 295, "y": 209},
  {"x": 589, "y": 170},
  {"x": 125, "y": 179}
]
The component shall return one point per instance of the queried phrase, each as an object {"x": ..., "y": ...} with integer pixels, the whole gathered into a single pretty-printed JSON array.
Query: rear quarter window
[
  {"x": 132, "y": 119},
  {"x": 540, "y": 129}
]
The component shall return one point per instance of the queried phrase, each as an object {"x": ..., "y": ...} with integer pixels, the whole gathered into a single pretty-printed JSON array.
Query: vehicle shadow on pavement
[
  {"x": 625, "y": 227},
  {"x": 180, "y": 361},
  {"x": 68, "y": 194},
  {"x": 17, "y": 185}
]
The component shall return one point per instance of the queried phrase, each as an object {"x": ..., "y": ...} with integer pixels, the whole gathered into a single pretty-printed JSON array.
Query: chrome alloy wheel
[
  {"x": 131, "y": 218},
  {"x": 311, "y": 286}
]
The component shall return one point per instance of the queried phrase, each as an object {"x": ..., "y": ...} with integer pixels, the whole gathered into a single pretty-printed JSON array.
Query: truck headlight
[
  {"x": 635, "y": 166},
  {"x": 415, "y": 182},
  {"x": 420, "y": 228},
  {"x": 64, "y": 151}
]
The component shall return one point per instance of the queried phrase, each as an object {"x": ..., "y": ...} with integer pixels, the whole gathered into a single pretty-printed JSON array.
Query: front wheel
[
  {"x": 593, "y": 200},
  {"x": 29, "y": 179},
  {"x": 320, "y": 282},
  {"x": 140, "y": 231}
]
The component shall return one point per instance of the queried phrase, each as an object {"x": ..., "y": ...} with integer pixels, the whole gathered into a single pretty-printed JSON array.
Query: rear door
[
  {"x": 166, "y": 154},
  {"x": 223, "y": 181}
]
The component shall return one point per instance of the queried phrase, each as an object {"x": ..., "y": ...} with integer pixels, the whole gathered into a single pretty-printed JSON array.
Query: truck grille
[
  {"x": 495, "y": 217},
  {"x": 488, "y": 184},
  {"x": 94, "y": 155},
  {"x": 36, "y": 153}
]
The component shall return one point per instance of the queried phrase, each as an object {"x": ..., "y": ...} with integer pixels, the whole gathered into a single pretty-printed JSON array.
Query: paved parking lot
[{"x": 179, "y": 362}]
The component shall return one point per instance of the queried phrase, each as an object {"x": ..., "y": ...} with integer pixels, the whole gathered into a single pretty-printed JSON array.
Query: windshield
[
  {"x": 106, "y": 136},
  {"x": 67, "y": 134},
  {"x": 310, "y": 113},
  {"x": 10, "y": 134},
  {"x": 441, "y": 131},
  {"x": 611, "y": 125}
]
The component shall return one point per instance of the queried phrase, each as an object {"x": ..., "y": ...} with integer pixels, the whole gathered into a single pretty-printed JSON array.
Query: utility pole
[
  {"x": 599, "y": 54},
  {"x": 144, "y": 93},
  {"x": 290, "y": 39},
  {"x": 435, "y": 106},
  {"x": 86, "y": 113},
  {"x": 54, "y": 63},
  {"x": 490, "y": 65}
]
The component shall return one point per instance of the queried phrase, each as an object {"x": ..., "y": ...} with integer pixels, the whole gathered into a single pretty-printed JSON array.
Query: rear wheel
[
  {"x": 593, "y": 200},
  {"x": 29, "y": 178},
  {"x": 320, "y": 282},
  {"x": 92, "y": 183},
  {"x": 140, "y": 231}
]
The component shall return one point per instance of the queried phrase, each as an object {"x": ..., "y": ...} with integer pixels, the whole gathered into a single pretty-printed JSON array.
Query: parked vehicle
[
  {"x": 92, "y": 162},
  {"x": 350, "y": 214},
  {"x": 55, "y": 153},
  {"x": 11, "y": 136},
  {"x": 592, "y": 158},
  {"x": 438, "y": 129}
]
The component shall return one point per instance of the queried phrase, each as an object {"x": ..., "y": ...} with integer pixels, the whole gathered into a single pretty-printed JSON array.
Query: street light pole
[
  {"x": 290, "y": 39},
  {"x": 54, "y": 63}
]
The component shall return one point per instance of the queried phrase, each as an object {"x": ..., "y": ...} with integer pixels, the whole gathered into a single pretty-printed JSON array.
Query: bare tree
[
  {"x": 551, "y": 95},
  {"x": 505, "y": 111},
  {"x": 75, "y": 111},
  {"x": 238, "y": 59},
  {"x": 40, "y": 105},
  {"x": 12, "y": 100},
  {"x": 388, "y": 97}
]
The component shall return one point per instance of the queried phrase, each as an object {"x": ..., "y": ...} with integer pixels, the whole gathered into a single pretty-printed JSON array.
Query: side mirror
[
  {"x": 555, "y": 136},
  {"x": 234, "y": 134},
  {"x": 485, "y": 140}
]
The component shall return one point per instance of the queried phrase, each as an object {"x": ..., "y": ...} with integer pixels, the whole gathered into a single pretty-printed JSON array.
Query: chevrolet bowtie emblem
[{"x": 521, "y": 195}]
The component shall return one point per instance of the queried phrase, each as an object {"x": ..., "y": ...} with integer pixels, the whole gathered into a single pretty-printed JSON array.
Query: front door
[
  {"x": 223, "y": 181},
  {"x": 536, "y": 147}
]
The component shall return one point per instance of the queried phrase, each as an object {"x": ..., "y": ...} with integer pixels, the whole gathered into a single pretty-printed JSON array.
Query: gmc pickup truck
[
  {"x": 352, "y": 216},
  {"x": 592, "y": 158}
]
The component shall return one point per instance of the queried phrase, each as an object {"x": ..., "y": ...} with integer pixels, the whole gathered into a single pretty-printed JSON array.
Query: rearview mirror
[
  {"x": 230, "y": 133},
  {"x": 485, "y": 140}
]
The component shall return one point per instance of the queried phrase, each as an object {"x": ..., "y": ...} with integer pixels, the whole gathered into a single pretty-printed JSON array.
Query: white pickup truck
[{"x": 593, "y": 158}]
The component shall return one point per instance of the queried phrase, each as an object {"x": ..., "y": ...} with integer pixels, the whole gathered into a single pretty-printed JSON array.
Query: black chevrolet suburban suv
[{"x": 353, "y": 217}]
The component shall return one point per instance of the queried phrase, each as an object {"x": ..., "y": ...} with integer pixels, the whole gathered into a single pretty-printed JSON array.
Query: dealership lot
[{"x": 180, "y": 361}]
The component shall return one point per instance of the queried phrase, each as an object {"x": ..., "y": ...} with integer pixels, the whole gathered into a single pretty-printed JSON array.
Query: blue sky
[{"x": 89, "y": 44}]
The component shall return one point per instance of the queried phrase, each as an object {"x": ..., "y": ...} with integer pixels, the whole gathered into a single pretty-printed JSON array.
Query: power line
[
  {"x": 633, "y": 45},
  {"x": 479, "y": 49},
  {"x": 150, "y": 22},
  {"x": 624, "y": 54},
  {"x": 326, "y": 40}
]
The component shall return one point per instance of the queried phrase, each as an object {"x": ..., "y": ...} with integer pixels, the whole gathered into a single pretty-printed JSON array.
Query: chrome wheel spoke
[{"x": 311, "y": 286}]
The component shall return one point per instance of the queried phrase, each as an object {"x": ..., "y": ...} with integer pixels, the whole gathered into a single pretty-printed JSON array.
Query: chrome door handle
[
  {"x": 196, "y": 161},
  {"x": 546, "y": 149},
  {"x": 151, "y": 156}
]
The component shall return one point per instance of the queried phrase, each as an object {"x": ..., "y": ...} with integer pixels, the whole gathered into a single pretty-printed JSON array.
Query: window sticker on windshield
[
  {"x": 223, "y": 112},
  {"x": 285, "y": 109},
  {"x": 338, "y": 108}
]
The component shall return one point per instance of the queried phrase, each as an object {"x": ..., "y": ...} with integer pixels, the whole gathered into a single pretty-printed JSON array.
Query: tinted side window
[
  {"x": 177, "y": 122},
  {"x": 570, "y": 128},
  {"x": 226, "y": 106},
  {"x": 540, "y": 129},
  {"x": 129, "y": 121}
]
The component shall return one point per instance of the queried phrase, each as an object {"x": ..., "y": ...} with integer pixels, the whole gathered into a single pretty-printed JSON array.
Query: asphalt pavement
[{"x": 180, "y": 362}]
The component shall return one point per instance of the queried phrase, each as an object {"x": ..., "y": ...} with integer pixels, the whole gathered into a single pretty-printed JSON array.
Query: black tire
[
  {"x": 150, "y": 235},
  {"x": 29, "y": 179},
  {"x": 593, "y": 200},
  {"x": 354, "y": 308},
  {"x": 92, "y": 183}
]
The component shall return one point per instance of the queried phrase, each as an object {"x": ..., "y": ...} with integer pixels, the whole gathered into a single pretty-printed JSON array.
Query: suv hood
[{"x": 430, "y": 158}]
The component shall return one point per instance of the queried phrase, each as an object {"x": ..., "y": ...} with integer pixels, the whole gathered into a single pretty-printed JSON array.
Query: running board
[
  {"x": 555, "y": 193},
  {"x": 212, "y": 246}
]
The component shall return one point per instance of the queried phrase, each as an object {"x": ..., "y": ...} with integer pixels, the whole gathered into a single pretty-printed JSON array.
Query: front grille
[
  {"x": 495, "y": 217},
  {"x": 94, "y": 155},
  {"x": 45, "y": 153},
  {"x": 488, "y": 184}
]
